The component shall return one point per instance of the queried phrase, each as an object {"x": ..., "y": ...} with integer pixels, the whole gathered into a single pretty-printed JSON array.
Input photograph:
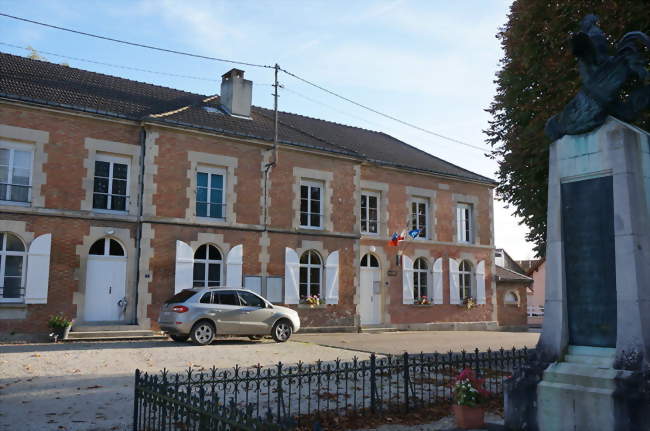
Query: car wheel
[
  {"x": 281, "y": 331},
  {"x": 202, "y": 333},
  {"x": 179, "y": 338},
  {"x": 255, "y": 337}
]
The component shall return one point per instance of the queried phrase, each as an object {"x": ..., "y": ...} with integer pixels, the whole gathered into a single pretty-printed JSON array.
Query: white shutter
[
  {"x": 332, "y": 278},
  {"x": 291, "y": 280},
  {"x": 454, "y": 282},
  {"x": 38, "y": 270},
  {"x": 437, "y": 281},
  {"x": 234, "y": 263},
  {"x": 183, "y": 278},
  {"x": 480, "y": 282},
  {"x": 407, "y": 280}
]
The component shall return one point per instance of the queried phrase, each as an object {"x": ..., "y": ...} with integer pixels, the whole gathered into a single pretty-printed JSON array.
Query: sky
[{"x": 430, "y": 63}]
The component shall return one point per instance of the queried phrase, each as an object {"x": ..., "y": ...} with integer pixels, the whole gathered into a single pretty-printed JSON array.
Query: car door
[
  {"x": 226, "y": 310},
  {"x": 255, "y": 317}
]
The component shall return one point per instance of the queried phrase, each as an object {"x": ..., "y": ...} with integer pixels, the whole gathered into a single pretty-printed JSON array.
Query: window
[
  {"x": 249, "y": 300},
  {"x": 420, "y": 278},
  {"x": 12, "y": 267},
  {"x": 511, "y": 298},
  {"x": 111, "y": 183},
  {"x": 208, "y": 265},
  {"x": 225, "y": 298},
  {"x": 311, "y": 205},
  {"x": 106, "y": 247},
  {"x": 464, "y": 223},
  {"x": 369, "y": 261},
  {"x": 420, "y": 216},
  {"x": 210, "y": 193},
  {"x": 465, "y": 280},
  {"x": 370, "y": 213},
  {"x": 310, "y": 274},
  {"x": 15, "y": 173}
]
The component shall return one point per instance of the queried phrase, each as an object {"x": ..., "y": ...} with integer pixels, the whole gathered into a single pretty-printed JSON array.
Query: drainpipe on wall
[{"x": 138, "y": 234}]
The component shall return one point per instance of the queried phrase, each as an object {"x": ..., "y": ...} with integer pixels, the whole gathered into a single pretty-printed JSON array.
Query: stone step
[
  {"x": 597, "y": 361},
  {"x": 115, "y": 335},
  {"x": 375, "y": 330},
  {"x": 581, "y": 375},
  {"x": 592, "y": 351}
]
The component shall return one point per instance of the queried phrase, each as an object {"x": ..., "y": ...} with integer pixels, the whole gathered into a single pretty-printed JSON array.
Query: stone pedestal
[{"x": 595, "y": 345}]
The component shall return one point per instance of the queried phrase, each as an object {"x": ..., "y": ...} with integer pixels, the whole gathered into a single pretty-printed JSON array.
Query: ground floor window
[
  {"x": 12, "y": 267},
  {"x": 311, "y": 269},
  {"x": 208, "y": 266},
  {"x": 420, "y": 279},
  {"x": 465, "y": 275}
]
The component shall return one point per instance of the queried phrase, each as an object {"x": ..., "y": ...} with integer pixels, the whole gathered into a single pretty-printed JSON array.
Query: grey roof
[
  {"x": 45, "y": 83},
  {"x": 507, "y": 275}
]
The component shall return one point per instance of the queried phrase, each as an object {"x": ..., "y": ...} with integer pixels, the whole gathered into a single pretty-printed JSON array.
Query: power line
[
  {"x": 390, "y": 117},
  {"x": 140, "y": 45}
]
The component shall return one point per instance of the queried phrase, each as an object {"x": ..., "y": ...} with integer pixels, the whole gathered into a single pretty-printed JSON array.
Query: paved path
[
  {"x": 422, "y": 341},
  {"x": 89, "y": 386}
]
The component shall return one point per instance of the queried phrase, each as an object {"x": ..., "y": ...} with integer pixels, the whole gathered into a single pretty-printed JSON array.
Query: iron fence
[{"x": 281, "y": 394}]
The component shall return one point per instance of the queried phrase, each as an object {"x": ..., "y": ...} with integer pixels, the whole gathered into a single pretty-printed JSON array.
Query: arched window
[
  {"x": 106, "y": 247},
  {"x": 12, "y": 266},
  {"x": 311, "y": 270},
  {"x": 465, "y": 277},
  {"x": 369, "y": 261},
  {"x": 420, "y": 278},
  {"x": 511, "y": 298},
  {"x": 208, "y": 266}
]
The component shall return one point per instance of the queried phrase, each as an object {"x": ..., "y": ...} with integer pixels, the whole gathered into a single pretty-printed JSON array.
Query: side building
[{"x": 114, "y": 194}]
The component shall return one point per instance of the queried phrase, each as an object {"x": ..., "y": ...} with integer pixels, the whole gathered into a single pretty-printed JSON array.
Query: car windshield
[{"x": 181, "y": 296}]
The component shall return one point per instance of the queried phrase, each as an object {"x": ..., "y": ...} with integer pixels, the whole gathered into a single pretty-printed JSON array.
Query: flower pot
[
  {"x": 469, "y": 417},
  {"x": 60, "y": 333}
]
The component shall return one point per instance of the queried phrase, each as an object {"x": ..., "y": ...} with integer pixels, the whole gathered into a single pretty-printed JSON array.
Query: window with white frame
[
  {"x": 12, "y": 268},
  {"x": 420, "y": 216},
  {"x": 111, "y": 183},
  {"x": 420, "y": 270},
  {"x": 464, "y": 228},
  {"x": 211, "y": 192},
  {"x": 15, "y": 172},
  {"x": 311, "y": 275},
  {"x": 369, "y": 213},
  {"x": 311, "y": 204},
  {"x": 465, "y": 277},
  {"x": 208, "y": 266}
]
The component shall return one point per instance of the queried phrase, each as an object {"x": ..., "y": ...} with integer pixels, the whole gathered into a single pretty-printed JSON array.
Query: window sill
[
  {"x": 16, "y": 203},
  {"x": 11, "y": 304},
  {"x": 311, "y": 227},
  {"x": 423, "y": 305},
  {"x": 312, "y": 306},
  {"x": 103, "y": 211}
]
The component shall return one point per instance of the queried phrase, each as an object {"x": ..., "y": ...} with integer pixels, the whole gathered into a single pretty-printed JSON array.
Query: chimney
[{"x": 236, "y": 93}]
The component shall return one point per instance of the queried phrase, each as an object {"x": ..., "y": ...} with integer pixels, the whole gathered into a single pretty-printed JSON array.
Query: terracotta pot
[{"x": 469, "y": 417}]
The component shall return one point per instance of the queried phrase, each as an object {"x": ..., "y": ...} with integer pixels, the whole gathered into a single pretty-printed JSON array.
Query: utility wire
[
  {"x": 140, "y": 45},
  {"x": 390, "y": 117}
]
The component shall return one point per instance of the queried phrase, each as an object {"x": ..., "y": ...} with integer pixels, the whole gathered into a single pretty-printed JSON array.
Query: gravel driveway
[{"x": 89, "y": 386}]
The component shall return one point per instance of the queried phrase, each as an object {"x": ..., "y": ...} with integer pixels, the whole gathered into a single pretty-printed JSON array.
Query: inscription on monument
[{"x": 589, "y": 261}]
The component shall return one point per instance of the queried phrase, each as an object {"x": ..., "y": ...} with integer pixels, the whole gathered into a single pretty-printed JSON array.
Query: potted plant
[
  {"x": 59, "y": 327},
  {"x": 313, "y": 300},
  {"x": 423, "y": 300},
  {"x": 469, "y": 302},
  {"x": 469, "y": 395}
]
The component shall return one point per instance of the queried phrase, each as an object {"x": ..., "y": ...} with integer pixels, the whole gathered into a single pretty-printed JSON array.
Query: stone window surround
[
  {"x": 382, "y": 189},
  {"x": 215, "y": 239},
  {"x": 37, "y": 139},
  {"x": 326, "y": 178},
  {"x": 517, "y": 303},
  {"x": 430, "y": 196},
  {"x": 427, "y": 256},
  {"x": 229, "y": 164},
  {"x": 471, "y": 259},
  {"x": 16, "y": 310},
  {"x": 473, "y": 200},
  {"x": 98, "y": 147},
  {"x": 128, "y": 242}
]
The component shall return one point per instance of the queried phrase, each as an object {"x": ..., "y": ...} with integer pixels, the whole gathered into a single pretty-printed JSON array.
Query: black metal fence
[{"x": 281, "y": 394}]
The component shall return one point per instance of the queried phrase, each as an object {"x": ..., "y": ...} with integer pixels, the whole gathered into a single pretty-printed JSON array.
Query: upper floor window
[
  {"x": 310, "y": 274},
  {"x": 111, "y": 183},
  {"x": 15, "y": 173},
  {"x": 420, "y": 217},
  {"x": 370, "y": 213},
  {"x": 464, "y": 228},
  {"x": 208, "y": 266},
  {"x": 311, "y": 204},
  {"x": 420, "y": 278},
  {"x": 465, "y": 276},
  {"x": 12, "y": 268},
  {"x": 210, "y": 193}
]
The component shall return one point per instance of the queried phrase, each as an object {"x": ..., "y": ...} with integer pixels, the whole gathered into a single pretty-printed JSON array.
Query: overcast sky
[{"x": 431, "y": 63}]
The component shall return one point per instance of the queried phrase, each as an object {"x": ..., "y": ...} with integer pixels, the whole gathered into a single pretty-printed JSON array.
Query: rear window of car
[
  {"x": 181, "y": 296},
  {"x": 225, "y": 298}
]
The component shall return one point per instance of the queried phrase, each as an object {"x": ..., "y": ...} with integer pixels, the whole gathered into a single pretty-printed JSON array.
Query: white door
[
  {"x": 370, "y": 291},
  {"x": 105, "y": 282}
]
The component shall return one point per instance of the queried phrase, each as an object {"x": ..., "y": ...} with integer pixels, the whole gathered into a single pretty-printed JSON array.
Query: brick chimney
[{"x": 236, "y": 93}]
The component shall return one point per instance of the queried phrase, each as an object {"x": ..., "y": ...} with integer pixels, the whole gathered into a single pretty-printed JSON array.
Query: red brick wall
[{"x": 509, "y": 314}]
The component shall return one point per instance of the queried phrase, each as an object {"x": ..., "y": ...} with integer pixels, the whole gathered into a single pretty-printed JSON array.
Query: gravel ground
[
  {"x": 89, "y": 386},
  {"x": 448, "y": 423}
]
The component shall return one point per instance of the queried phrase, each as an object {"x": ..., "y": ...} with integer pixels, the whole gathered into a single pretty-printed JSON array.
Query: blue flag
[{"x": 414, "y": 233}]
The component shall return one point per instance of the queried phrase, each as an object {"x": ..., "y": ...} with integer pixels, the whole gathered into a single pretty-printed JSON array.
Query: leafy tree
[{"x": 538, "y": 75}]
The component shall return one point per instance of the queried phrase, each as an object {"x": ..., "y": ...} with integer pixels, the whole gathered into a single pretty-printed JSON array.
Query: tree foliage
[{"x": 538, "y": 75}]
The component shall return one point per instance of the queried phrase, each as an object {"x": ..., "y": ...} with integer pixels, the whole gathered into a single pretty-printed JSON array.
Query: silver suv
[{"x": 202, "y": 313}]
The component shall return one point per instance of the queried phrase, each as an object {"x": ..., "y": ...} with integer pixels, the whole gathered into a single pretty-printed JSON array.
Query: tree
[{"x": 538, "y": 76}]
